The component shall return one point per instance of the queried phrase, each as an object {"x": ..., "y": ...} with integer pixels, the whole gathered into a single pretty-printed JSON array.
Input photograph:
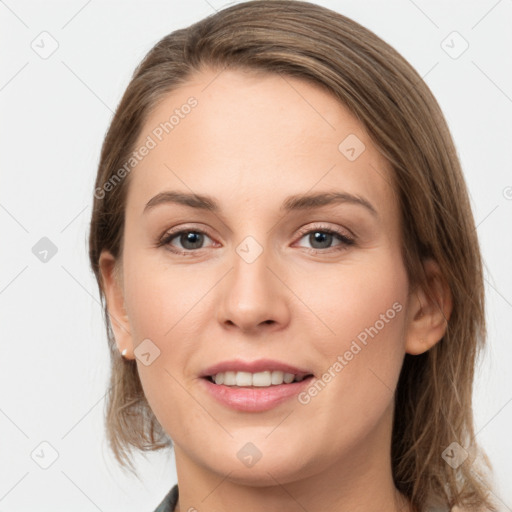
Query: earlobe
[
  {"x": 430, "y": 307},
  {"x": 114, "y": 296}
]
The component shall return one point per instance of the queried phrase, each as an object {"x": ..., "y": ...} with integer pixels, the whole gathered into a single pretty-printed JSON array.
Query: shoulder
[{"x": 169, "y": 502}]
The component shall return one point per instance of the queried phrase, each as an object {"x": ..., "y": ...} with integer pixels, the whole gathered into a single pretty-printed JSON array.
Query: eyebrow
[{"x": 291, "y": 203}]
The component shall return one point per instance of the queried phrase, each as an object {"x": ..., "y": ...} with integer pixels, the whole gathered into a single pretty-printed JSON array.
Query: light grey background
[{"x": 54, "y": 114}]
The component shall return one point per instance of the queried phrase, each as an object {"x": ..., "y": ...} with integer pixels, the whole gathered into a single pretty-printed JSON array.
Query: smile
[{"x": 260, "y": 379}]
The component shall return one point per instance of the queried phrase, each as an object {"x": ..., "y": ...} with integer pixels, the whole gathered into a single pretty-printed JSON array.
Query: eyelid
[
  {"x": 319, "y": 226},
  {"x": 169, "y": 234},
  {"x": 346, "y": 239}
]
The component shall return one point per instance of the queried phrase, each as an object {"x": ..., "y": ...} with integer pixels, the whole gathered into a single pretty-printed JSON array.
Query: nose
[{"x": 253, "y": 296}]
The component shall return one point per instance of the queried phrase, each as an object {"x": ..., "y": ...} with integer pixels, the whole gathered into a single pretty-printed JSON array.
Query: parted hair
[{"x": 433, "y": 399}]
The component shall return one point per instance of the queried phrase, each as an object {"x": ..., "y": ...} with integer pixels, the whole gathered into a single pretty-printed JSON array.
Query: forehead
[{"x": 250, "y": 138}]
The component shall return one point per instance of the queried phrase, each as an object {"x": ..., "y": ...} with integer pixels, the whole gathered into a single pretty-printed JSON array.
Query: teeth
[
  {"x": 229, "y": 378},
  {"x": 243, "y": 379},
  {"x": 288, "y": 377},
  {"x": 259, "y": 379},
  {"x": 277, "y": 377}
]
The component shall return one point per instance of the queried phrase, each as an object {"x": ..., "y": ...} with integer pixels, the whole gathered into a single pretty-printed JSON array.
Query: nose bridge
[
  {"x": 252, "y": 294},
  {"x": 251, "y": 264}
]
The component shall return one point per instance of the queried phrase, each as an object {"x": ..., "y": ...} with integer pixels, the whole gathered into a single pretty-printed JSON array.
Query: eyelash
[{"x": 345, "y": 240}]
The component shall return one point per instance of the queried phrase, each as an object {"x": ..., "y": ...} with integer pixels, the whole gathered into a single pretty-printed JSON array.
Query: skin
[{"x": 252, "y": 141}]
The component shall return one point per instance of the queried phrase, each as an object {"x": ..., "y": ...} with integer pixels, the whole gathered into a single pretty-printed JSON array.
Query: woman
[{"x": 292, "y": 280}]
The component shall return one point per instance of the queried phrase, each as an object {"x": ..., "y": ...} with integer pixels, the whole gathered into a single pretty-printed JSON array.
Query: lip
[
  {"x": 252, "y": 398},
  {"x": 260, "y": 365}
]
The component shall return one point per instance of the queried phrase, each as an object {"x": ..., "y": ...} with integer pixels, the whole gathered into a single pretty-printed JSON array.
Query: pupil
[
  {"x": 191, "y": 238},
  {"x": 321, "y": 237}
]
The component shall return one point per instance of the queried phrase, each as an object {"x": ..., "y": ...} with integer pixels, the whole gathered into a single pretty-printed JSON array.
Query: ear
[
  {"x": 430, "y": 307},
  {"x": 113, "y": 289}
]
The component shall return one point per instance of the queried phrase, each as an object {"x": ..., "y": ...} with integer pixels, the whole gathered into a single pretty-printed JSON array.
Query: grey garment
[
  {"x": 169, "y": 502},
  {"x": 171, "y": 499},
  {"x": 433, "y": 505}
]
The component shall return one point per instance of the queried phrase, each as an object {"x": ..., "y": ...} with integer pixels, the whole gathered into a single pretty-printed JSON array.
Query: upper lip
[{"x": 260, "y": 365}]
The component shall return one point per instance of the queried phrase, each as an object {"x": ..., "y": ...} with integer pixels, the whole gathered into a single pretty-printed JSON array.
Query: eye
[
  {"x": 321, "y": 238},
  {"x": 189, "y": 240}
]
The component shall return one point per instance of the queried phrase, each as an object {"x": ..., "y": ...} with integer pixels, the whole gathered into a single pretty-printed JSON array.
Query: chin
[
  {"x": 267, "y": 471},
  {"x": 265, "y": 476}
]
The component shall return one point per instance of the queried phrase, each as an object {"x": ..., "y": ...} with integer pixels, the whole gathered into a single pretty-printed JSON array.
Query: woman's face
[{"x": 265, "y": 282}]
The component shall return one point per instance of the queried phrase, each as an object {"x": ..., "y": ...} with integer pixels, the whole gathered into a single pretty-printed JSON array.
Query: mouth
[
  {"x": 263, "y": 379},
  {"x": 255, "y": 386}
]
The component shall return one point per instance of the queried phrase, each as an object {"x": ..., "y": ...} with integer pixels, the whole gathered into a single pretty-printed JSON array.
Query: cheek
[
  {"x": 362, "y": 359},
  {"x": 161, "y": 308},
  {"x": 167, "y": 305},
  {"x": 367, "y": 298},
  {"x": 364, "y": 308},
  {"x": 163, "y": 299}
]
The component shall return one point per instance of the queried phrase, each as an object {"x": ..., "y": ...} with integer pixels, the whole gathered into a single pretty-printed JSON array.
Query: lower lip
[{"x": 255, "y": 399}]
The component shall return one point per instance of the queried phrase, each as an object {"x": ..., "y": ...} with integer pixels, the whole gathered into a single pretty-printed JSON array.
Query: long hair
[{"x": 433, "y": 400}]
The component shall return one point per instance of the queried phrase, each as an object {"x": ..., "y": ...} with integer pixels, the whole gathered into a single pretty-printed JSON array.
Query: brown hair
[{"x": 433, "y": 400}]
